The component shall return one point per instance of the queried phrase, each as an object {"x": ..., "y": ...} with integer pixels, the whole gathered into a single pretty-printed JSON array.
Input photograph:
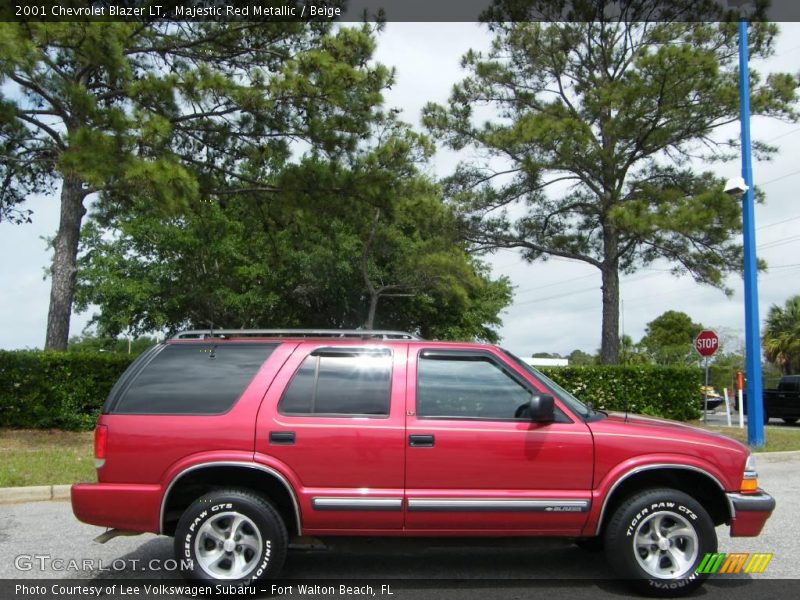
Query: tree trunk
[
  {"x": 609, "y": 339},
  {"x": 374, "y": 293},
  {"x": 65, "y": 263},
  {"x": 373, "y": 307}
]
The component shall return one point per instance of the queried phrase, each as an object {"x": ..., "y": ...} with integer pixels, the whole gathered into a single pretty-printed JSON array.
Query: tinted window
[
  {"x": 467, "y": 387},
  {"x": 789, "y": 384},
  {"x": 193, "y": 379},
  {"x": 330, "y": 383},
  {"x": 562, "y": 394}
]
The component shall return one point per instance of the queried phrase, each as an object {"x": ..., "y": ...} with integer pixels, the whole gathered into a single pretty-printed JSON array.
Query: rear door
[
  {"x": 333, "y": 419},
  {"x": 474, "y": 465}
]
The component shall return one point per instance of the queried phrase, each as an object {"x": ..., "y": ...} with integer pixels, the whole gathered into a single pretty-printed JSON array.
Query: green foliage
[
  {"x": 368, "y": 242},
  {"x": 668, "y": 339},
  {"x": 91, "y": 343},
  {"x": 249, "y": 265},
  {"x": 669, "y": 392},
  {"x": 579, "y": 358},
  {"x": 610, "y": 109},
  {"x": 41, "y": 390},
  {"x": 163, "y": 116},
  {"x": 630, "y": 353},
  {"x": 781, "y": 337}
]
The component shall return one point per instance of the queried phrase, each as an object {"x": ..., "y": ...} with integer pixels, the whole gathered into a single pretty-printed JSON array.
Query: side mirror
[{"x": 542, "y": 408}]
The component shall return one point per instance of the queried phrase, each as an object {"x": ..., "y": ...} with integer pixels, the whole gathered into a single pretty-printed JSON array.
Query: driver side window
[{"x": 467, "y": 387}]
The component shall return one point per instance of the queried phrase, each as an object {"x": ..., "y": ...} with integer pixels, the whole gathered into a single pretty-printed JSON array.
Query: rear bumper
[
  {"x": 122, "y": 506},
  {"x": 750, "y": 512}
]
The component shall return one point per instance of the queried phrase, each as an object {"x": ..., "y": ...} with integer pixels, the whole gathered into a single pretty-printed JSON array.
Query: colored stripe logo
[{"x": 735, "y": 562}]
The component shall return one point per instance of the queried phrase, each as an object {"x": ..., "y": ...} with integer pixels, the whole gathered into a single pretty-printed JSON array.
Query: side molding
[
  {"x": 357, "y": 503},
  {"x": 495, "y": 505}
]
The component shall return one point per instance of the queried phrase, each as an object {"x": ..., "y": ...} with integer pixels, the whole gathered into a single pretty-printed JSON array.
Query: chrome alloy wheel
[
  {"x": 228, "y": 546},
  {"x": 665, "y": 545}
]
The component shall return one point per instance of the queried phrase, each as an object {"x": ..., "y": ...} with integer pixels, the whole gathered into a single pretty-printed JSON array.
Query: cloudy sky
[{"x": 556, "y": 306}]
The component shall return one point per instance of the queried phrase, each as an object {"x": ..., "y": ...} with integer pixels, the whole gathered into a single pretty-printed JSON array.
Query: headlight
[{"x": 750, "y": 476}]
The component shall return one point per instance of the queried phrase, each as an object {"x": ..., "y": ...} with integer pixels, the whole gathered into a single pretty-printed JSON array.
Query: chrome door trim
[
  {"x": 495, "y": 505},
  {"x": 356, "y": 503}
]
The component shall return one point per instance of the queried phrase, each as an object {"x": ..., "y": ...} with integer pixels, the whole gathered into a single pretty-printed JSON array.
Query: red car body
[{"x": 361, "y": 476}]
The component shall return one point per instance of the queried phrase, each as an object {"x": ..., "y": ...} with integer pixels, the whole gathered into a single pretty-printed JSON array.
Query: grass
[
  {"x": 779, "y": 439},
  {"x": 44, "y": 457}
]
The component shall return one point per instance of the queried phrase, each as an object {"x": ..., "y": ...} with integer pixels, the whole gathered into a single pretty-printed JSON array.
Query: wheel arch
[
  {"x": 694, "y": 481},
  {"x": 200, "y": 478}
]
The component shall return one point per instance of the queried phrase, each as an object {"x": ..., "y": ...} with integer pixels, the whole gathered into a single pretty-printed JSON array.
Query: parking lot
[{"x": 415, "y": 568}]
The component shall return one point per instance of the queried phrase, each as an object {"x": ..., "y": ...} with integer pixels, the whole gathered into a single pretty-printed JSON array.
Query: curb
[
  {"x": 766, "y": 457},
  {"x": 34, "y": 493}
]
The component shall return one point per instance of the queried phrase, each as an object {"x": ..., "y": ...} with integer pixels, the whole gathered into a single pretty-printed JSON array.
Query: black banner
[
  {"x": 399, "y": 10},
  {"x": 729, "y": 587}
]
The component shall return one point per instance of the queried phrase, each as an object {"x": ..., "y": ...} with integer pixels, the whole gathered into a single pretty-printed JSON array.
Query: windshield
[{"x": 571, "y": 401}]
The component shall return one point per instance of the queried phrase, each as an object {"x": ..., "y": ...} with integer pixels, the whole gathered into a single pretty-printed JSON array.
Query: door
[
  {"x": 334, "y": 420},
  {"x": 473, "y": 464}
]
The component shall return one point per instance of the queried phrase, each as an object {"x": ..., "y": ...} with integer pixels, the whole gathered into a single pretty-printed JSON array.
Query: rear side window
[
  {"x": 340, "y": 383},
  {"x": 198, "y": 379}
]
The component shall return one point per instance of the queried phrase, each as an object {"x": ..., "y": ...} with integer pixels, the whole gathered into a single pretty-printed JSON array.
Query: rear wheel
[
  {"x": 232, "y": 536},
  {"x": 790, "y": 421},
  {"x": 657, "y": 538}
]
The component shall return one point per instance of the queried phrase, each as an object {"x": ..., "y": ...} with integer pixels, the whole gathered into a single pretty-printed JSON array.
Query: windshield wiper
[{"x": 595, "y": 411}]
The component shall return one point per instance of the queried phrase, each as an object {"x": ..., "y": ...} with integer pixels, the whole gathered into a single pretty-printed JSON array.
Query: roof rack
[{"x": 202, "y": 334}]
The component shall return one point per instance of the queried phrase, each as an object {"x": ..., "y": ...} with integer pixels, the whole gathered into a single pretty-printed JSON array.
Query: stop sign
[{"x": 706, "y": 343}]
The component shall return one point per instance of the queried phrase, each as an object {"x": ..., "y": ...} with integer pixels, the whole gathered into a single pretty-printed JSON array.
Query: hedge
[
  {"x": 669, "y": 392},
  {"x": 56, "y": 390},
  {"x": 65, "y": 390}
]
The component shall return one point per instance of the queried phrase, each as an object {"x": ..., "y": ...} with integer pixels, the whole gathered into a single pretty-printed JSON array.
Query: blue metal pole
[{"x": 755, "y": 403}]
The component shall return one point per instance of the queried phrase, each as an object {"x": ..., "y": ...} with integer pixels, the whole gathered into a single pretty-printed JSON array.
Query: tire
[
  {"x": 207, "y": 534},
  {"x": 790, "y": 421},
  {"x": 666, "y": 566}
]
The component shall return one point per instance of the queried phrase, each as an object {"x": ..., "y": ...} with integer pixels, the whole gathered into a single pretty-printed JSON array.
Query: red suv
[{"x": 236, "y": 441}]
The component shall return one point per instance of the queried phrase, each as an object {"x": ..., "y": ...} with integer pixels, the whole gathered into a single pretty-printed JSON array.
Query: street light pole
[{"x": 755, "y": 404}]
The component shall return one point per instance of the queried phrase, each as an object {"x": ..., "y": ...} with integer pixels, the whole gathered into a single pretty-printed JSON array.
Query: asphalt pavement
[{"x": 42, "y": 540}]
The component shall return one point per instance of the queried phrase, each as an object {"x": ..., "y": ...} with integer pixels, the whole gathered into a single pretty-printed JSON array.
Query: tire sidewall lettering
[
  {"x": 630, "y": 515},
  {"x": 205, "y": 514},
  {"x": 653, "y": 507}
]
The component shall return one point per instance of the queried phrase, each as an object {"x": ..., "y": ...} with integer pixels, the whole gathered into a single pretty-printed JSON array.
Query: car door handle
[
  {"x": 285, "y": 438},
  {"x": 420, "y": 441}
]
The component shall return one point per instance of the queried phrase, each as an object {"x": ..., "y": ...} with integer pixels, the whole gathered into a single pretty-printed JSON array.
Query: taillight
[{"x": 100, "y": 444}]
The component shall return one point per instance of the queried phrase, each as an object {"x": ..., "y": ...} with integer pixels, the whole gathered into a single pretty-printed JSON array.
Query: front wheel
[
  {"x": 657, "y": 538},
  {"x": 232, "y": 536},
  {"x": 790, "y": 420}
]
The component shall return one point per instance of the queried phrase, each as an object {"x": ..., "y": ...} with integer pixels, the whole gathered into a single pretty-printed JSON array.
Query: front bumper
[{"x": 749, "y": 512}]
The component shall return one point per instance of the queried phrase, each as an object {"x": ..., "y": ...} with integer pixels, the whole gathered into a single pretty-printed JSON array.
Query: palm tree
[{"x": 781, "y": 339}]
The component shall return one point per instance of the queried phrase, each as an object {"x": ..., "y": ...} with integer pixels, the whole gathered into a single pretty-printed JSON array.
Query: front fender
[{"x": 651, "y": 462}]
